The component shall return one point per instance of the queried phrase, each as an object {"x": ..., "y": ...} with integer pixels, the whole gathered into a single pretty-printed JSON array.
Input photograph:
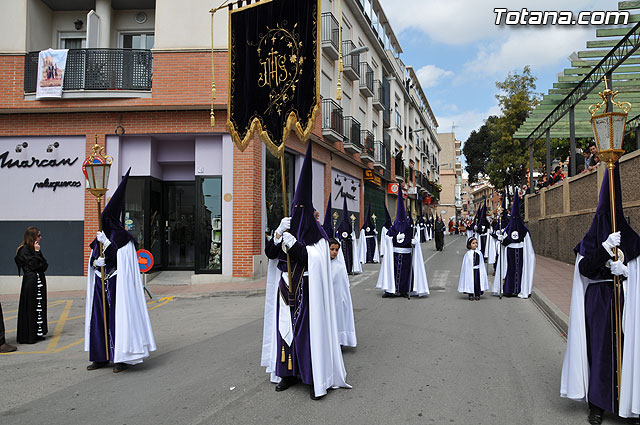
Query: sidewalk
[
  {"x": 552, "y": 283},
  {"x": 251, "y": 287}
]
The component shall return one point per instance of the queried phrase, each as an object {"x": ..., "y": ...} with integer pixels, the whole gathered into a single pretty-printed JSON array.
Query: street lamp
[
  {"x": 608, "y": 129},
  {"x": 97, "y": 167}
]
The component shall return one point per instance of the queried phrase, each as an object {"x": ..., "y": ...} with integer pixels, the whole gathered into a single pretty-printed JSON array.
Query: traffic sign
[{"x": 145, "y": 260}]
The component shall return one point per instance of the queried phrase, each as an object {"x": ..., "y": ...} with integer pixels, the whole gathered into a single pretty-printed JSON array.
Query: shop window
[{"x": 210, "y": 223}]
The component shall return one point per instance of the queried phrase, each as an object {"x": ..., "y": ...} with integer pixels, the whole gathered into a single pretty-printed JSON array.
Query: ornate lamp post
[
  {"x": 335, "y": 221},
  {"x": 608, "y": 129},
  {"x": 98, "y": 167},
  {"x": 353, "y": 222}
]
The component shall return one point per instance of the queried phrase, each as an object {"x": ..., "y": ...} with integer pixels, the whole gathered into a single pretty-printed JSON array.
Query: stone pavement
[{"x": 552, "y": 283}]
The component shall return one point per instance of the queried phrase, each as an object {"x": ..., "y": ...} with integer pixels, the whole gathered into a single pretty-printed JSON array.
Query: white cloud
[
  {"x": 460, "y": 22},
  {"x": 536, "y": 47},
  {"x": 465, "y": 122},
  {"x": 430, "y": 75}
]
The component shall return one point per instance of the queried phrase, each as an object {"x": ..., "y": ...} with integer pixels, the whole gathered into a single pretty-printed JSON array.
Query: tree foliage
[{"x": 477, "y": 149}]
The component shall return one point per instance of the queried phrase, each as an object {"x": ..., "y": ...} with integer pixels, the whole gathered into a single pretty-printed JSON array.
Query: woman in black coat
[
  {"x": 32, "y": 310},
  {"x": 439, "y": 234}
]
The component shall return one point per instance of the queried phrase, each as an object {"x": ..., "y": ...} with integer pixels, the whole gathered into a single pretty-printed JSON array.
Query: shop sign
[
  {"x": 344, "y": 186},
  {"x": 392, "y": 188},
  {"x": 370, "y": 176},
  {"x": 412, "y": 190}
]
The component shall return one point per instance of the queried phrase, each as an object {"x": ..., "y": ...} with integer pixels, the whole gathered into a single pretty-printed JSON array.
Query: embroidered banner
[
  {"x": 51, "y": 65},
  {"x": 274, "y": 84}
]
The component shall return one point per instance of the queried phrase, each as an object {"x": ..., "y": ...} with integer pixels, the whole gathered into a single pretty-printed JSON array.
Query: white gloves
[
  {"x": 288, "y": 240},
  {"x": 618, "y": 268},
  {"x": 99, "y": 262},
  {"x": 612, "y": 241},
  {"x": 375, "y": 231},
  {"x": 415, "y": 241},
  {"x": 285, "y": 223},
  {"x": 500, "y": 237},
  {"x": 102, "y": 238}
]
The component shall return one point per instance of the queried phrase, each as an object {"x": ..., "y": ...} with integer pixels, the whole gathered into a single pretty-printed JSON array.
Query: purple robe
[
  {"x": 300, "y": 350},
  {"x": 347, "y": 252},
  {"x": 513, "y": 279},
  {"x": 370, "y": 238},
  {"x": 403, "y": 264},
  {"x": 96, "y": 332}
]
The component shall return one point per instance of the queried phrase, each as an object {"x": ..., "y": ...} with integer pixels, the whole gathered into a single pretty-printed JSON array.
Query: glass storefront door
[
  {"x": 209, "y": 230},
  {"x": 179, "y": 225}
]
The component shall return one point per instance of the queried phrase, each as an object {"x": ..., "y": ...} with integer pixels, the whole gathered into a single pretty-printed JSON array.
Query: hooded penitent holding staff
[
  {"x": 368, "y": 243},
  {"x": 383, "y": 232},
  {"x": 130, "y": 337},
  {"x": 347, "y": 237},
  {"x": 402, "y": 271},
  {"x": 590, "y": 371},
  {"x": 484, "y": 228},
  {"x": 518, "y": 262},
  {"x": 300, "y": 334}
]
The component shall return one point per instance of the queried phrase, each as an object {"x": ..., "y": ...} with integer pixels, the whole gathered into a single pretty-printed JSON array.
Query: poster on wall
[
  {"x": 51, "y": 66},
  {"x": 345, "y": 186}
]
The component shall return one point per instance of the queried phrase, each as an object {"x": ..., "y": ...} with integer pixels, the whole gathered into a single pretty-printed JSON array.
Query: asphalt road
[{"x": 435, "y": 360}]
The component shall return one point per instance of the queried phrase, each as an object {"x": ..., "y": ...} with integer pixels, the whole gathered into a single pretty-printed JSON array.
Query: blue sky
[{"x": 459, "y": 53}]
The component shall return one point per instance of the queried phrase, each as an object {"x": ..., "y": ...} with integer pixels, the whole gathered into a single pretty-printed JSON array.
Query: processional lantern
[
  {"x": 608, "y": 129},
  {"x": 97, "y": 168}
]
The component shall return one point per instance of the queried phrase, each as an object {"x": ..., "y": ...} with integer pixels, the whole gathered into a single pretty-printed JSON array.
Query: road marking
[
  {"x": 49, "y": 305},
  {"x": 59, "y": 327},
  {"x": 166, "y": 300},
  {"x": 362, "y": 277}
]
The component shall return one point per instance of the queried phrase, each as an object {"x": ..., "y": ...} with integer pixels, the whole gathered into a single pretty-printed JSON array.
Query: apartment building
[
  {"x": 451, "y": 203},
  {"x": 138, "y": 83}
]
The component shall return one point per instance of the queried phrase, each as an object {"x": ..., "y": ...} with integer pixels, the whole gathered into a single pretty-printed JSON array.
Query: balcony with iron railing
[
  {"x": 400, "y": 169},
  {"x": 378, "y": 95},
  {"x": 352, "y": 135},
  {"x": 330, "y": 35},
  {"x": 380, "y": 155},
  {"x": 350, "y": 63},
  {"x": 332, "y": 121},
  {"x": 366, "y": 80},
  {"x": 98, "y": 70},
  {"x": 368, "y": 146}
]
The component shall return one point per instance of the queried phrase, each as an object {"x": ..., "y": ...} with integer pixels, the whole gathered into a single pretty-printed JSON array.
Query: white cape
[
  {"x": 465, "y": 284},
  {"x": 528, "y": 267},
  {"x": 383, "y": 234},
  {"x": 356, "y": 267},
  {"x": 326, "y": 356},
  {"x": 574, "y": 383},
  {"x": 493, "y": 249},
  {"x": 344, "y": 305},
  {"x": 134, "y": 336},
  {"x": 362, "y": 248},
  {"x": 386, "y": 278}
]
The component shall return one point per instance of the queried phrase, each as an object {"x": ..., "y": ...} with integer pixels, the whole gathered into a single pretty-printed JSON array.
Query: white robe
[
  {"x": 326, "y": 356},
  {"x": 386, "y": 277},
  {"x": 383, "y": 234},
  {"x": 493, "y": 249},
  {"x": 362, "y": 248},
  {"x": 134, "y": 336},
  {"x": 356, "y": 267},
  {"x": 344, "y": 305},
  {"x": 574, "y": 383},
  {"x": 528, "y": 267},
  {"x": 466, "y": 282}
]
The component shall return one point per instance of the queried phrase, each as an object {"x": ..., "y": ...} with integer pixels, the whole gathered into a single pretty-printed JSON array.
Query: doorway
[{"x": 179, "y": 226}]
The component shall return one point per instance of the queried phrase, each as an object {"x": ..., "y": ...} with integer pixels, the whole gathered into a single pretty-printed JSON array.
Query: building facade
[
  {"x": 451, "y": 204},
  {"x": 138, "y": 85}
]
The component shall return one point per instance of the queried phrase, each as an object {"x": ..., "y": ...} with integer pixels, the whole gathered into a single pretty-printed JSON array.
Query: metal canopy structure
[{"x": 563, "y": 111}]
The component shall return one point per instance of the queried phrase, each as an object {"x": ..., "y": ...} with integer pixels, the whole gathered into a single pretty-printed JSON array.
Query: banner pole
[{"x": 286, "y": 214}]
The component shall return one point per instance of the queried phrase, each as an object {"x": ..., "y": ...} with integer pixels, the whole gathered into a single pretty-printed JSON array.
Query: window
[
  {"x": 72, "y": 40},
  {"x": 137, "y": 41},
  {"x": 398, "y": 117},
  {"x": 210, "y": 223}
]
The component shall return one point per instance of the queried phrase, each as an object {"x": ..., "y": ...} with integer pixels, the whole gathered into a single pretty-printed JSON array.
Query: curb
[{"x": 553, "y": 313}]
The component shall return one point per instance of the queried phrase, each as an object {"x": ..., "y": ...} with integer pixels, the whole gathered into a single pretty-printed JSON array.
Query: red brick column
[{"x": 247, "y": 207}]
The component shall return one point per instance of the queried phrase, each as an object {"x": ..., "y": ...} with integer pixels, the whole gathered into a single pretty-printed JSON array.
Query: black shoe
[
  {"x": 120, "y": 367},
  {"x": 634, "y": 421},
  {"x": 286, "y": 382},
  {"x": 470, "y": 297},
  {"x": 477, "y": 297},
  {"x": 97, "y": 365},
  {"x": 312, "y": 394},
  {"x": 6, "y": 348},
  {"x": 387, "y": 295},
  {"x": 595, "y": 415}
]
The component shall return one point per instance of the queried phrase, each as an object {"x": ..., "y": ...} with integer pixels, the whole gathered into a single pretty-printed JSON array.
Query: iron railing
[
  {"x": 367, "y": 143},
  {"x": 381, "y": 153},
  {"x": 352, "y": 131},
  {"x": 332, "y": 116},
  {"x": 366, "y": 76},
  {"x": 98, "y": 69},
  {"x": 378, "y": 92},
  {"x": 330, "y": 30},
  {"x": 350, "y": 61}
]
